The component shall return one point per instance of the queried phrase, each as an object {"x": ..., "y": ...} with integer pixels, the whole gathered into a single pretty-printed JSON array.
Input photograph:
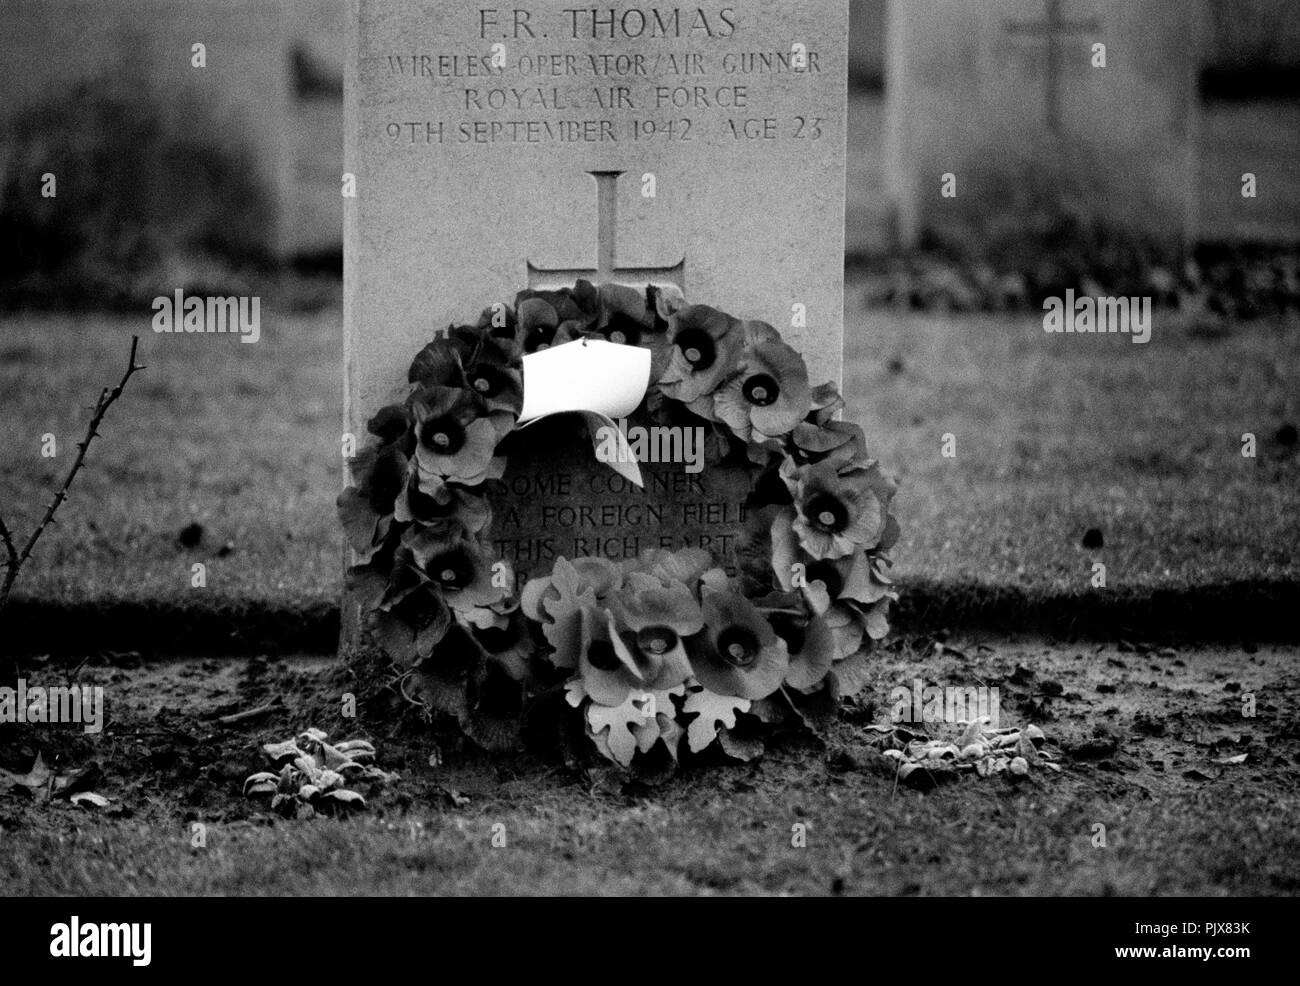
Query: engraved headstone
[
  {"x": 501, "y": 148},
  {"x": 1102, "y": 92}
]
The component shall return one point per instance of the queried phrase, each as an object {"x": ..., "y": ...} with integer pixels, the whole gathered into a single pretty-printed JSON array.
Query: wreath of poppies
[{"x": 644, "y": 652}]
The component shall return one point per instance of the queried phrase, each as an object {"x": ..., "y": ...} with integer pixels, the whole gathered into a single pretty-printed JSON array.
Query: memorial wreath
[{"x": 643, "y": 654}]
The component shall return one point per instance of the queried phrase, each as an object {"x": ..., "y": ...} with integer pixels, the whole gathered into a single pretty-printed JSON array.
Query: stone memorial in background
[
  {"x": 1098, "y": 97},
  {"x": 501, "y": 148}
]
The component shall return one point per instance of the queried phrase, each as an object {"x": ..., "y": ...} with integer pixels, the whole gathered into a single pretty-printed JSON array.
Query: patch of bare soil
[{"x": 1144, "y": 734}]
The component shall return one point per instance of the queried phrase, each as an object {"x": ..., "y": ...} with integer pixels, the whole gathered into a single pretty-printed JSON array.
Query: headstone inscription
[{"x": 500, "y": 148}]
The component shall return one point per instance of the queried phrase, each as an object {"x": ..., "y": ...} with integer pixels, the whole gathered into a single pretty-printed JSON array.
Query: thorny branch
[{"x": 16, "y": 557}]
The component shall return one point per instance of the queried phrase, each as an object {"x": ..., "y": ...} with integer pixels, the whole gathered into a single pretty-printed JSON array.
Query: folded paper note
[
  {"x": 586, "y": 375},
  {"x": 600, "y": 380}
]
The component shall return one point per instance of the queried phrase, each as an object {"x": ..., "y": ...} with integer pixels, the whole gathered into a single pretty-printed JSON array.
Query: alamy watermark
[
  {"x": 1099, "y": 315},
  {"x": 923, "y": 703},
  {"x": 181, "y": 314},
  {"x": 56, "y": 704},
  {"x": 102, "y": 939},
  {"x": 655, "y": 444}
]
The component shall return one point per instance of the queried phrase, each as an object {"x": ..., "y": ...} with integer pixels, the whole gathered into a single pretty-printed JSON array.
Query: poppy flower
[
  {"x": 614, "y": 663},
  {"x": 494, "y": 707},
  {"x": 856, "y": 576},
  {"x": 508, "y": 644},
  {"x": 847, "y": 629},
  {"x": 665, "y": 301},
  {"x": 412, "y": 617},
  {"x": 394, "y": 425},
  {"x": 634, "y": 318},
  {"x": 826, "y": 402},
  {"x": 543, "y": 596},
  {"x": 738, "y": 653},
  {"x": 657, "y": 657},
  {"x": 807, "y": 635},
  {"x": 469, "y": 358},
  {"x": 837, "y": 512},
  {"x": 556, "y": 602},
  {"x": 500, "y": 327},
  {"x": 819, "y": 433},
  {"x": 645, "y": 602},
  {"x": 461, "y": 679},
  {"x": 538, "y": 322},
  {"x": 440, "y": 363},
  {"x": 850, "y": 676},
  {"x": 583, "y": 302},
  {"x": 456, "y": 438},
  {"x": 653, "y": 617},
  {"x": 443, "y": 505},
  {"x": 497, "y": 380},
  {"x": 822, "y": 587},
  {"x": 850, "y": 454},
  {"x": 706, "y": 345},
  {"x": 574, "y": 330},
  {"x": 607, "y": 676},
  {"x": 814, "y": 442},
  {"x": 542, "y": 315},
  {"x": 631, "y": 317},
  {"x": 843, "y": 591},
  {"x": 685, "y": 565},
  {"x": 812, "y": 650},
  {"x": 442, "y": 677},
  {"x": 834, "y": 514},
  {"x": 875, "y": 618},
  {"x": 366, "y": 510},
  {"x": 365, "y": 530},
  {"x": 669, "y": 413},
  {"x": 851, "y": 458},
  {"x": 625, "y": 315},
  {"x": 769, "y": 394},
  {"x": 855, "y": 626},
  {"x": 381, "y": 472},
  {"x": 459, "y": 569},
  {"x": 758, "y": 333}
]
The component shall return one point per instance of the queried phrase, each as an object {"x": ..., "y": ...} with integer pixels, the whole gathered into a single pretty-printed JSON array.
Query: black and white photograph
[{"x": 737, "y": 448}]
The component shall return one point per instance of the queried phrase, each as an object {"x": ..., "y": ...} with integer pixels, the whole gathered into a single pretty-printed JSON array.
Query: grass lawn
[
  {"x": 242, "y": 439},
  {"x": 1141, "y": 734},
  {"x": 1057, "y": 434},
  {"x": 1054, "y": 435}
]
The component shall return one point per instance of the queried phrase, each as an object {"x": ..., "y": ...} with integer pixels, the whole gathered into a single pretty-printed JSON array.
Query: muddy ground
[{"x": 1151, "y": 741}]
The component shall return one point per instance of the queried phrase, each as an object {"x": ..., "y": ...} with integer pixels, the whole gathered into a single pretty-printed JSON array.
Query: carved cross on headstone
[
  {"x": 1056, "y": 32},
  {"x": 607, "y": 268}
]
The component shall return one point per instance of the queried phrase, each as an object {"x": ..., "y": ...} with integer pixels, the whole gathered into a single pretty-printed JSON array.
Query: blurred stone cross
[
  {"x": 1056, "y": 32},
  {"x": 607, "y": 268}
]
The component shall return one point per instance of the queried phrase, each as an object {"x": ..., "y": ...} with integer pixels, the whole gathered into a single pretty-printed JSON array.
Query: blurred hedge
[
  {"x": 1252, "y": 34},
  {"x": 1059, "y": 218},
  {"x": 151, "y": 195}
]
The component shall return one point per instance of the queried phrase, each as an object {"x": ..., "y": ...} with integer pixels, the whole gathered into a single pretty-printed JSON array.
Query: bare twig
[
  {"x": 10, "y": 551},
  {"x": 71, "y": 675},
  {"x": 16, "y": 558},
  {"x": 401, "y": 688},
  {"x": 248, "y": 715}
]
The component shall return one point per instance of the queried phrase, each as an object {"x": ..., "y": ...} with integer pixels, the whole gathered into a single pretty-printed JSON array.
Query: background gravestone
[
  {"x": 999, "y": 92},
  {"x": 474, "y": 182},
  {"x": 316, "y": 32}
]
